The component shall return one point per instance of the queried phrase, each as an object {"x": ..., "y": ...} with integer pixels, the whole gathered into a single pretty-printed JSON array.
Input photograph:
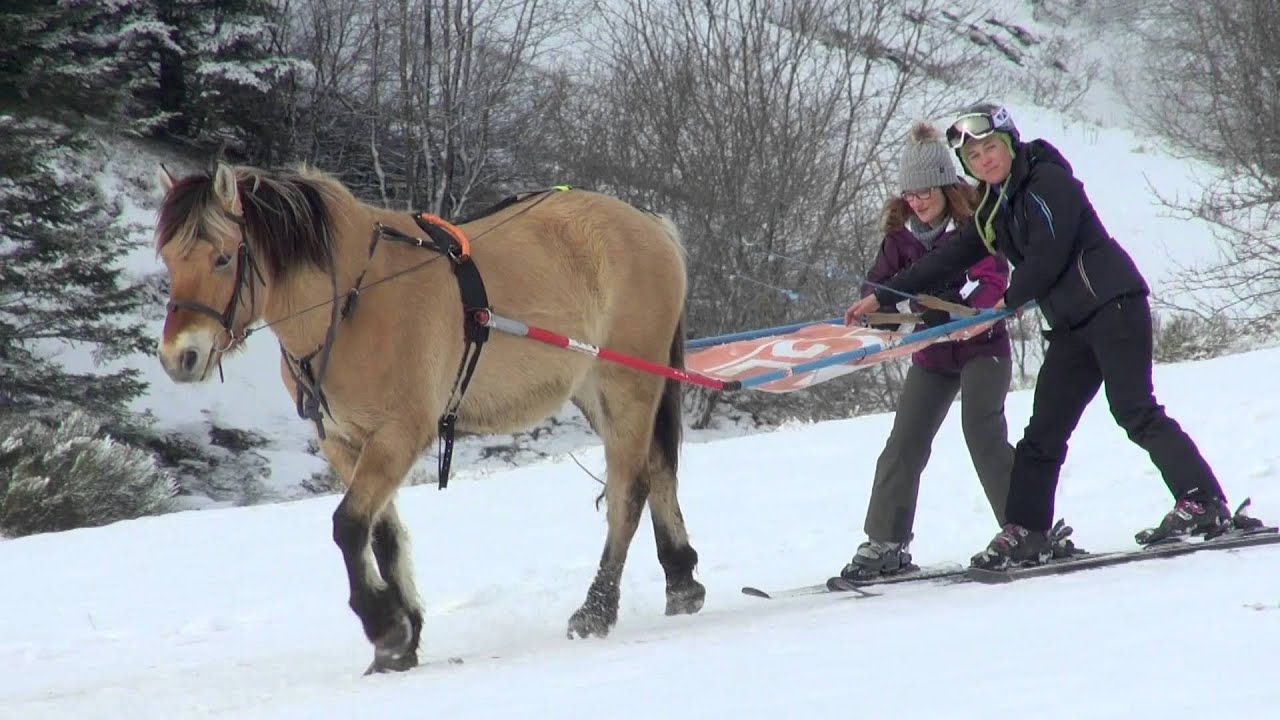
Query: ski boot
[
  {"x": 1059, "y": 542},
  {"x": 1190, "y": 516},
  {"x": 1014, "y": 546},
  {"x": 1241, "y": 522},
  {"x": 878, "y": 558}
]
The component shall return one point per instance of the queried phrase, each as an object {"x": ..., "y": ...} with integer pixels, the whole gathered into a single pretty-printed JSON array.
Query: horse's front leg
[
  {"x": 365, "y": 526},
  {"x": 395, "y": 562}
]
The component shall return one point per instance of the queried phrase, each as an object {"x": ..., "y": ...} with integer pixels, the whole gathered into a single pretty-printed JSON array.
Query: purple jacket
[{"x": 900, "y": 249}]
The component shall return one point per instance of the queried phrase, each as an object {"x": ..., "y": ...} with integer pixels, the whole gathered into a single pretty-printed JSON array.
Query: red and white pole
[{"x": 515, "y": 327}]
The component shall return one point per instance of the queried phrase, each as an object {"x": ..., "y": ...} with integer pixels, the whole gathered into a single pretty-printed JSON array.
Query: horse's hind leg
[
  {"x": 626, "y": 440},
  {"x": 678, "y": 558},
  {"x": 391, "y": 621}
]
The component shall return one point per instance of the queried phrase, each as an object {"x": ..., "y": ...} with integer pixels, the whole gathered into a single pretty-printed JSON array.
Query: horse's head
[
  {"x": 214, "y": 278},
  {"x": 229, "y": 238}
]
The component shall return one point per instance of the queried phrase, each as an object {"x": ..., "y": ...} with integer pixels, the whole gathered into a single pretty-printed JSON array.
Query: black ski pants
[{"x": 1113, "y": 348}]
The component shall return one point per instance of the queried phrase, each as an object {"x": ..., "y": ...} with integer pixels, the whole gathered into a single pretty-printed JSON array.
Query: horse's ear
[
  {"x": 165, "y": 179},
  {"x": 224, "y": 186}
]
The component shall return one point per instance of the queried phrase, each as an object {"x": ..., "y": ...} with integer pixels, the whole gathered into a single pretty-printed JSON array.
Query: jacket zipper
[{"x": 1085, "y": 276}]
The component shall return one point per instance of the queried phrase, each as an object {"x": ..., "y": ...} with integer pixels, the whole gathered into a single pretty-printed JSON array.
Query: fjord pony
[{"x": 243, "y": 246}]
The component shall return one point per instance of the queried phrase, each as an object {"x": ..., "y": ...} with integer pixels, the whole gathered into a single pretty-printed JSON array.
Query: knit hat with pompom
[{"x": 926, "y": 160}]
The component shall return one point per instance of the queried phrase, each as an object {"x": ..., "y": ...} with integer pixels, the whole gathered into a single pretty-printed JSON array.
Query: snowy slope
[{"x": 240, "y": 613}]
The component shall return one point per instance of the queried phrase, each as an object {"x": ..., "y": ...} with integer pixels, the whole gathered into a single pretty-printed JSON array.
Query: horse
[{"x": 292, "y": 250}]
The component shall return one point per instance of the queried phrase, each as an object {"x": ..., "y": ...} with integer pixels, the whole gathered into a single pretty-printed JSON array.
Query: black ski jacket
[{"x": 1063, "y": 257}]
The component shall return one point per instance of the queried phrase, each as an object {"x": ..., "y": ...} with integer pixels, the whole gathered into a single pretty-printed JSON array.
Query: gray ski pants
[{"x": 926, "y": 397}]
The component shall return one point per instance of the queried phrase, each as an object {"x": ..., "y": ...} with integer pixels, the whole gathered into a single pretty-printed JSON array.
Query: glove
[{"x": 934, "y": 318}]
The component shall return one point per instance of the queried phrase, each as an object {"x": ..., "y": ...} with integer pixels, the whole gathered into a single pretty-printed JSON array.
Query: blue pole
[
  {"x": 840, "y": 359},
  {"x": 752, "y": 334}
]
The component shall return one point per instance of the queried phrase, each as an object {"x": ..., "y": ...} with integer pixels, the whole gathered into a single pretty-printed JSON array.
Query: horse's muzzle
[{"x": 186, "y": 359}]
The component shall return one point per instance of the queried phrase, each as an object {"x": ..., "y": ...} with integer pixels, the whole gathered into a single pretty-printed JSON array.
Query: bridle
[{"x": 247, "y": 270}]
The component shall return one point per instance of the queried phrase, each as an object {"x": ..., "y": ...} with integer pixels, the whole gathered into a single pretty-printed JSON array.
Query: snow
[{"x": 241, "y": 613}]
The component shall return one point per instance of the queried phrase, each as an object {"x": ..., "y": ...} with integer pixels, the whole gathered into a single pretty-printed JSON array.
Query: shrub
[{"x": 59, "y": 476}]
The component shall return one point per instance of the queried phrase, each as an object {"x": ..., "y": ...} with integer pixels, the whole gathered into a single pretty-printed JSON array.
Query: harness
[
  {"x": 448, "y": 241},
  {"x": 308, "y": 371}
]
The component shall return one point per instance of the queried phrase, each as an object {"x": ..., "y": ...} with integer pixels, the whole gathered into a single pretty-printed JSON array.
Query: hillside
[
  {"x": 235, "y": 605},
  {"x": 241, "y": 613}
]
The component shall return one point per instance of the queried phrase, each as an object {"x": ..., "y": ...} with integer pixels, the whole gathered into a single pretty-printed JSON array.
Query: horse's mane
[{"x": 286, "y": 215}]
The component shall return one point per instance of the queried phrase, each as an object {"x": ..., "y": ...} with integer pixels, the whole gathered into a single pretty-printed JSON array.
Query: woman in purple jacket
[{"x": 934, "y": 202}]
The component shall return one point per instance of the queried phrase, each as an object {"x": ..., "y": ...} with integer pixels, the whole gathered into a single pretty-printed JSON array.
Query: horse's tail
[{"x": 668, "y": 424}]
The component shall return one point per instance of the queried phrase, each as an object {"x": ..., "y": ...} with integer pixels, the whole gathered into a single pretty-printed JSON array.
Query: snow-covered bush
[
  {"x": 1185, "y": 336},
  {"x": 72, "y": 475}
]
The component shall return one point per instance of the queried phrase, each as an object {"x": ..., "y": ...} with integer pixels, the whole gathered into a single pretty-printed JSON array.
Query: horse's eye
[{"x": 222, "y": 261}]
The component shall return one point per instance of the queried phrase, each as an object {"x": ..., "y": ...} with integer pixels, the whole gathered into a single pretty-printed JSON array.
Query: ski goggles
[{"x": 975, "y": 126}]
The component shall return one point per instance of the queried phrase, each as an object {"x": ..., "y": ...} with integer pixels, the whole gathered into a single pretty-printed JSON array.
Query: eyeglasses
[
  {"x": 976, "y": 126},
  {"x": 918, "y": 194}
]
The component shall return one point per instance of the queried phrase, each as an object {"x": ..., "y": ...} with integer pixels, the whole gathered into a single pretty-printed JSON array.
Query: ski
[
  {"x": 1088, "y": 561},
  {"x": 803, "y": 590},
  {"x": 944, "y": 572},
  {"x": 950, "y": 572}
]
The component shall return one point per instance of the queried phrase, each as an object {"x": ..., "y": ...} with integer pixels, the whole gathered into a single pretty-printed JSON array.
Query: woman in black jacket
[{"x": 1036, "y": 213}]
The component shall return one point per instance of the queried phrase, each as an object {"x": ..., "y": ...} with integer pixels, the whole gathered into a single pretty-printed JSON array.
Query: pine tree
[
  {"x": 72, "y": 59},
  {"x": 60, "y": 282},
  {"x": 221, "y": 71},
  {"x": 210, "y": 71}
]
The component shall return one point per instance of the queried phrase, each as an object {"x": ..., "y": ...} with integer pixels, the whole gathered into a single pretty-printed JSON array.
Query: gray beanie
[{"x": 926, "y": 161}]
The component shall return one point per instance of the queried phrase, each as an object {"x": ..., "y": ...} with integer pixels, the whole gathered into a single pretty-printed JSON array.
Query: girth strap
[{"x": 449, "y": 241}]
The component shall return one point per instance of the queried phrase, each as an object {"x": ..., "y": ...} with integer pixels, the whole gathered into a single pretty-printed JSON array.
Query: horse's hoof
[
  {"x": 686, "y": 599},
  {"x": 396, "y": 650},
  {"x": 388, "y": 661},
  {"x": 590, "y": 622}
]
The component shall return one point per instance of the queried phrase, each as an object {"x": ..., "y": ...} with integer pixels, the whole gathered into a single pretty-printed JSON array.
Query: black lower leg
[
  {"x": 380, "y": 609},
  {"x": 684, "y": 594},
  {"x": 599, "y": 612},
  {"x": 386, "y": 550}
]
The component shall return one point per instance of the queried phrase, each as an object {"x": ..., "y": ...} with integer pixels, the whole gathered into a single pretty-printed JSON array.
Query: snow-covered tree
[
  {"x": 1211, "y": 89},
  {"x": 60, "y": 280},
  {"x": 70, "y": 474},
  {"x": 218, "y": 72},
  {"x": 57, "y": 57},
  {"x": 208, "y": 71}
]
